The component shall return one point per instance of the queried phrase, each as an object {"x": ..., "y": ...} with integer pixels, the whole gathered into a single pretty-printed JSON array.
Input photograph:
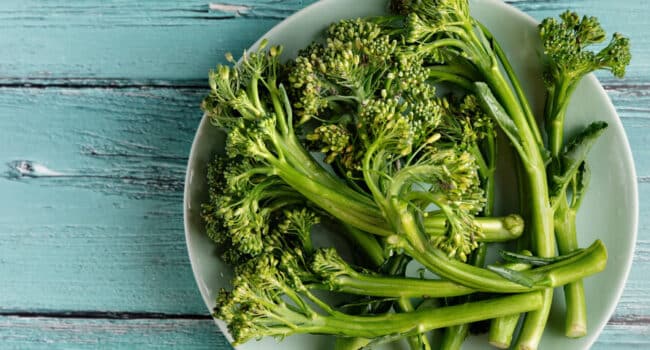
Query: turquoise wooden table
[{"x": 98, "y": 108}]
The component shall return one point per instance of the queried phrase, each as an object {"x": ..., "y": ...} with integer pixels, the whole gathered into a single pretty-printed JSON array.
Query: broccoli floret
[{"x": 567, "y": 43}]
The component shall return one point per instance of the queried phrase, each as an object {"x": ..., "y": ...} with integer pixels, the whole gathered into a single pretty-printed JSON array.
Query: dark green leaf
[
  {"x": 496, "y": 111},
  {"x": 535, "y": 260},
  {"x": 512, "y": 275},
  {"x": 582, "y": 182},
  {"x": 576, "y": 152}
]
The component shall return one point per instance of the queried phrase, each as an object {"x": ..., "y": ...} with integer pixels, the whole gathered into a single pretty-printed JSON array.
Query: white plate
[{"x": 609, "y": 211}]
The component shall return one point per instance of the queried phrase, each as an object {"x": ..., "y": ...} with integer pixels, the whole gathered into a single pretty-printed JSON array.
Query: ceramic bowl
[{"x": 609, "y": 211}]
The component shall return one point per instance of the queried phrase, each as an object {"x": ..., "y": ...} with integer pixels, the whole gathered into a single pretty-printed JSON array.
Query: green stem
[
  {"x": 446, "y": 42},
  {"x": 380, "y": 286},
  {"x": 541, "y": 221},
  {"x": 278, "y": 108},
  {"x": 565, "y": 216},
  {"x": 253, "y": 93},
  {"x": 442, "y": 76},
  {"x": 535, "y": 323},
  {"x": 367, "y": 243},
  {"x": 589, "y": 261},
  {"x": 370, "y": 177},
  {"x": 335, "y": 202},
  {"x": 351, "y": 343},
  {"x": 454, "y": 336},
  {"x": 396, "y": 266},
  {"x": 555, "y": 115},
  {"x": 502, "y": 329},
  {"x": 543, "y": 245},
  {"x": 494, "y": 229},
  {"x": 299, "y": 158},
  {"x": 420, "y": 321},
  {"x": 576, "y": 309},
  {"x": 418, "y": 341},
  {"x": 516, "y": 84}
]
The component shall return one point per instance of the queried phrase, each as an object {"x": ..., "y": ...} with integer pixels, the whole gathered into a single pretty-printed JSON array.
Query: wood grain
[
  {"x": 103, "y": 184},
  {"x": 180, "y": 40},
  {"x": 91, "y": 199},
  {"x": 118, "y": 39},
  {"x": 623, "y": 336},
  {"x": 20, "y": 333},
  {"x": 46, "y": 333},
  {"x": 97, "y": 114}
]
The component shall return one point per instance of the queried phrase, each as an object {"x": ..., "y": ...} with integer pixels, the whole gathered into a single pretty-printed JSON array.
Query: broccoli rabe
[
  {"x": 355, "y": 134},
  {"x": 268, "y": 299},
  {"x": 567, "y": 60}
]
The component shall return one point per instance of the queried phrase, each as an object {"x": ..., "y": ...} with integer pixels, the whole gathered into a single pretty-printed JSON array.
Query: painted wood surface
[
  {"x": 98, "y": 106},
  {"x": 75, "y": 333},
  {"x": 43, "y": 333}
]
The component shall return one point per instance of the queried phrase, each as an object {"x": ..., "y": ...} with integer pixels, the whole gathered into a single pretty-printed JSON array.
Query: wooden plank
[
  {"x": 633, "y": 105},
  {"x": 92, "y": 219},
  {"x": 180, "y": 40},
  {"x": 99, "y": 173},
  {"x": 52, "y": 333},
  {"x": 624, "y": 336},
  {"x": 165, "y": 39},
  {"x": 47, "y": 333},
  {"x": 636, "y": 297}
]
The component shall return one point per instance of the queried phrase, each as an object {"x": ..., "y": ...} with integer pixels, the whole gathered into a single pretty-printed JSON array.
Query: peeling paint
[
  {"x": 33, "y": 169},
  {"x": 237, "y": 9}
]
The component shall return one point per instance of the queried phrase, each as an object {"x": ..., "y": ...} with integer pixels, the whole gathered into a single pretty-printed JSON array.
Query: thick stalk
[
  {"x": 332, "y": 200},
  {"x": 494, "y": 229},
  {"x": 502, "y": 329},
  {"x": 417, "y": 341},
  {"x": 541, "y": 221},
  {"x": 576, "y": 309},
  {"x": 555, "y": 113},
  {"x": 454, "y": 336},
  {"x": 543, "y": 245},
  {"x": 350, "y": 343},
  {"x": 514, "y": 80},
  {"x": 589, "y": 261},
  {"x": 367, "y": 243},
  {"x": 396, "y": 266},
  {"x": 379, "y": 286},
  {"x": 374, "y": 252},
  {"x": 421, "y": 320},
  {"x": 298, "y": 157},
  {"x": 565, "y": 216}
]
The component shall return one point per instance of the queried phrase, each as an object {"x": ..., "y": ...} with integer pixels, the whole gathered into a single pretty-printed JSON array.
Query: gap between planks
[
  {"x": 109, "y": 315},
  {"x": 190, "y": 84},
  {"x": 103, "y": 83},
  {"x": 626, "y": 320}
]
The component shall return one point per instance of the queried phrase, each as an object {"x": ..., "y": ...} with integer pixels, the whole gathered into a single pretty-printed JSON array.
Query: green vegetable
[
  {"x": 502, "y": 329},
  {"x": 268, "y": 300},
  {"x": 354, "y": 135},
  {"x": 568, "y": 60}
]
